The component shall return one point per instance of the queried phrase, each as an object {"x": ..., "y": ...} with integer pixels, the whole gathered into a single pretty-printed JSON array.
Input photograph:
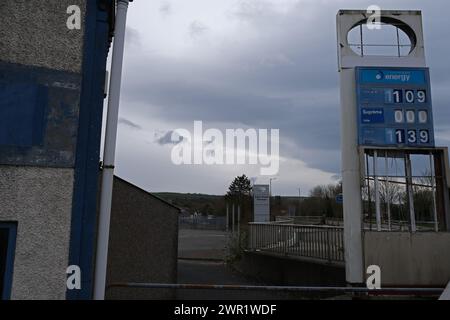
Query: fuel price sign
[{"x": 394, "y": 107}]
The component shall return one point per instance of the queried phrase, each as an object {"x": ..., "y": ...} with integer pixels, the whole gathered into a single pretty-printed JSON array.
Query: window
[{"x": 7, "y": 249}]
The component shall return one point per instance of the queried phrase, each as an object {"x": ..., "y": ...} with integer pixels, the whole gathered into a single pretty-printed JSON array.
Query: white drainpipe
[{"x": 109, "y": 151}]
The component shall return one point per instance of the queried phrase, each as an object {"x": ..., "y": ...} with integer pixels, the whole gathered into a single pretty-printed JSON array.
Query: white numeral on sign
[
  {"x": 409, "y": 96},
  {"x": 399, "y": 117},
  {"x": 421, "y": 96},
  {"x": 410, "y": 116},
  {"x": 423, "y": 116},
  {"x": 424, "y": 136},
  {"x": 397, "y": 96},
  {"x": 412, "y": 136},
  {"x": 400, "y": 135}
]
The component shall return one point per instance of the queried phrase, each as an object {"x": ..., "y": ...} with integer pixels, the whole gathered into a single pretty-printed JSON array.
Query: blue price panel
[{"x": 394, "y": 107}]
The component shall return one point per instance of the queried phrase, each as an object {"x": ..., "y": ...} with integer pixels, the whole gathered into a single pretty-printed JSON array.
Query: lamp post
[{"x": 270, "y": 185}]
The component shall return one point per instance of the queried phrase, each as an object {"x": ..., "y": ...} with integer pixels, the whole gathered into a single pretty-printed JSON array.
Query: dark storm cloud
[{"x": 286, "y": 78}]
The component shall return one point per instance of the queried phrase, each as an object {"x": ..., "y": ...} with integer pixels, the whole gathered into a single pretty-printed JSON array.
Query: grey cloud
[
  {"x": 286, "y": 78},
  {"x": 166, "y": 139},
  {"x": 197, "y": 28},
  {"x": 251, "y": 9},
  {"x": 129, "y": 124},
  {"x": 133, "y": 38},
  {"x": 165, "y": 8}
]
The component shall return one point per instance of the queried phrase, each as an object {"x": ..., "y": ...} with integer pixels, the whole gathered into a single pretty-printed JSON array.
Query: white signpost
[
  {"x": 354, "y": 60},
  {"x": 261, "y": 203}
]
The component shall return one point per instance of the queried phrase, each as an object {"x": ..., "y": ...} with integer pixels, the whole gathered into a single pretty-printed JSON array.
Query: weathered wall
[
  {"x": 34, "y": 33},
  {"x": 409, "y": 259},
  {"x": 280, "y": 270},
  {"x": 143, "y": 243},
  {"x": 39, "y": 52},
  {"x": 40, "y": 199}
]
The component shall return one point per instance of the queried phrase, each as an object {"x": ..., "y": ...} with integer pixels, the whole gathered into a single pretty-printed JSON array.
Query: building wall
[
  {"x": 41, "y": 202},
  {"x": 284, "y": 271},
  {"x": 34, "y": 33},
  {"x": 51, "y": 102},
  {"x": 143, "y": 243},
  {"x": 40, "y": 56},
  {"x": 409, "y": 259}
]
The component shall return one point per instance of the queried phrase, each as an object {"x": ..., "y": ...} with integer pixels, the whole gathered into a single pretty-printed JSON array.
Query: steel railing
[{"x": 318, "y": 242}]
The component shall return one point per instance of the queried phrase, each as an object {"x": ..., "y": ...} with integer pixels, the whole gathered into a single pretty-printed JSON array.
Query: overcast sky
[{"x": 268, "y": 64}]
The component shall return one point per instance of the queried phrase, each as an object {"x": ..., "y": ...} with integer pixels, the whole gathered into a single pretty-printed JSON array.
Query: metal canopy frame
[{"x": 374, "y": 176}]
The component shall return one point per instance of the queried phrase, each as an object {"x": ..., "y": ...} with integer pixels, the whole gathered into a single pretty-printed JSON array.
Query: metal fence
[
  {"x": 303, "y": 220},
  {"x": 319, "y": 242},
  {"x": 310, "y": 220},
  {"x": 202, "y": 222}
]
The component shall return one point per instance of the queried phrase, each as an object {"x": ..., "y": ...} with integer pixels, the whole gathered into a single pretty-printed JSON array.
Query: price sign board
[{"x": 394, "y": 107}]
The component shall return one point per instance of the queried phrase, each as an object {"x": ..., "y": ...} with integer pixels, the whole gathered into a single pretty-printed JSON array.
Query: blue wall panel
[
  {"x": 22, "y": 114},
  {"x": 38, "y": 116}
]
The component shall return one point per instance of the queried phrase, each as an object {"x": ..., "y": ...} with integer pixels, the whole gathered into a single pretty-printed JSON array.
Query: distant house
[{"x": 143, "y": 242}]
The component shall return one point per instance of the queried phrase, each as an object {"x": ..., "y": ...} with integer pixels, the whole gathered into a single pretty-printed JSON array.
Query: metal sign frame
[{"x": 394, "y": 107}]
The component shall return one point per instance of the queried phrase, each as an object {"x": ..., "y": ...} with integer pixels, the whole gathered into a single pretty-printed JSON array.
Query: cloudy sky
[{"x": 263, "y": 64}]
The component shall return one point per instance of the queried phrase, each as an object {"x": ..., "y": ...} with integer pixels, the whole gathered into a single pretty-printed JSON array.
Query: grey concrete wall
[
  {"x": 280, "y": 270},
  {"x": 40, "y": 199},
  {"x": 143, "y": 243},
  {"x": 409, "y": 259},
  {"x": 34, "y": 32}
]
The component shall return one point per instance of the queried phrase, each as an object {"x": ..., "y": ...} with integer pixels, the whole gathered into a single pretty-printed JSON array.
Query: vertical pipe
[
  {"x": 239, "y": 217},
  {"x": 227, "y": 219},
  {"x": 232, "y": 218},
  {"x": 328, "y": 244},
  {"x": 101, "y": 258},
  {"x": 377, "y": 190},
  {"x": 239, "y": 224},
  {"x": 410, "y": 190},
  {"x": 387, "y": 191},
  {"x": 433, "y": 188},
  {"x": 362, "y": 39},
  {"x": 369, "y": 198}
]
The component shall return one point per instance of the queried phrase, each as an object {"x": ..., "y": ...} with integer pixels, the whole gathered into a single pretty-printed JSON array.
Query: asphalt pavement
[{"x": 200, "y": 261}]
